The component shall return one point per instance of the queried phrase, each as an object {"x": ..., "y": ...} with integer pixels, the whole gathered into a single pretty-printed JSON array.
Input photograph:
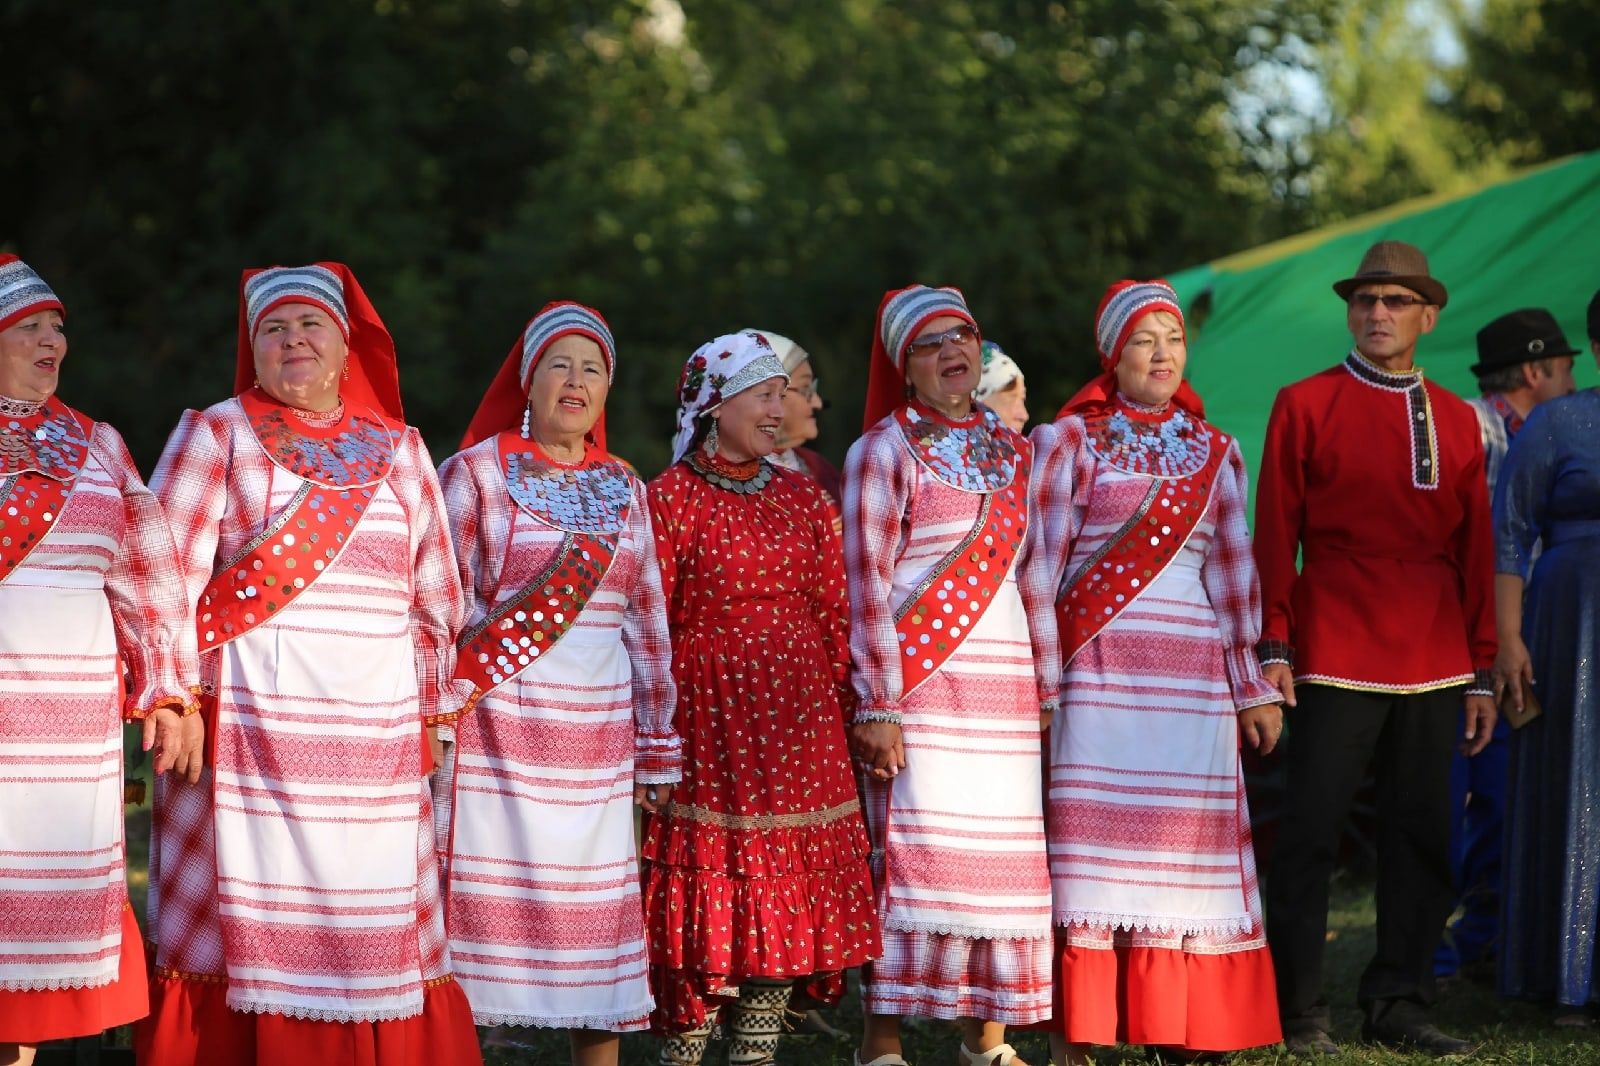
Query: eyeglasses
[
  {"x": 808, "y": 391},
  {"x": 933, "y": 342},
  {"x": 1394, "y": 301}
]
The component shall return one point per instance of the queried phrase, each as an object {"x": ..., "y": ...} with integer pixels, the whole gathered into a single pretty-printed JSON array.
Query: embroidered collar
[
  {"x": 356, "y": 450},
  {"x": 1372, "y": 374},
  {"x": 975, "y": 454},
  {"x": 590, "y": 496},
  {"x": 1508, "y": 414},
  {"x": 1424, "y": 441},
  {"x": 743, "y": 478},
  {"x": 1138, "y": 439},
  {"x": 50, "y": 441}
]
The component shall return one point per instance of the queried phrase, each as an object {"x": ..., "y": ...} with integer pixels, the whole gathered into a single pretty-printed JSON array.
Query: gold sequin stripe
[{"x": 764, "y": 821}]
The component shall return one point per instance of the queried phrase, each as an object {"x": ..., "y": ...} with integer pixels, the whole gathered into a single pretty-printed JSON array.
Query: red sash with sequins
[
  {"x": 1108, "y": 582},
  {"x": 936, "y": 618},
  {"x": 527, "y": 625},
  {"x": 31, "y": 500},
  {"x": 278, "y": 564}
]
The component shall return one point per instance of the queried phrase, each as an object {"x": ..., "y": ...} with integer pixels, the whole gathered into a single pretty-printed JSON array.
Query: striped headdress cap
[
  {"x": 559, "y": 319},
  {"x": 23, "y": 292},
  {"x": 908, "y": 310},
  {"x": 1124, "y": 303},
  {"x": 313, "y": 284}
]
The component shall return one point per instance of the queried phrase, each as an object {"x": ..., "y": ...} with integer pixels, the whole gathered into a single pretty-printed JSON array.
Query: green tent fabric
[{"x": 1265, "y": 318}]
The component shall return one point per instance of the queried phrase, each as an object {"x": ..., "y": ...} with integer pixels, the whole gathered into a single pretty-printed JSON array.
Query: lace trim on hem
[
  {"x": 1157, "y": 926},
  {"x": 57, "y": 984},
  {"x": 320, "y": 1014},
  {"x": 944, "y": 928},
  {"x": 629, "y": 1022},
  {"x": 1378, "y": 686}
]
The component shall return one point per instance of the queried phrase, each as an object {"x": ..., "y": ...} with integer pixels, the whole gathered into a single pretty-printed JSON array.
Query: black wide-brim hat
[
  {"x": 1395, "y": 263},
  {"x": 1524, "y": 336}
]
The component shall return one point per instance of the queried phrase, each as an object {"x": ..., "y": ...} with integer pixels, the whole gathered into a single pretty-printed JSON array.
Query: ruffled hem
[
  {"x": 1166, "y": 997},
  {"x": 190, "y": 1024},
  {"x": 630, "y": 1022},
  {"x": 71, "y": 1007},
  {"x": 782, "y": 927},
  {"x": 836, "y": 841},
  {"x": 1158, "y": 925}
]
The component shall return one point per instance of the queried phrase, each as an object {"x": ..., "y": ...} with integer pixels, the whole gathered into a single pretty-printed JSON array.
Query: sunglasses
[
  {"x": 932, "y": 342},
  {"x": 1394, "y": 301}
]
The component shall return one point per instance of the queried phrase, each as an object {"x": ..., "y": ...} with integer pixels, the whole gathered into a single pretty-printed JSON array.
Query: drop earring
[
  {"x": 527, "y": 420},
  {"x": 710, "y": 445}
]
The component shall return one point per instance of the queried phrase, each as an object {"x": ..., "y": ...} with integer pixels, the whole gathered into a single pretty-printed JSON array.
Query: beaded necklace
[
  {"x": 746, "y": 478},
  {"x": 591, "y": 496},
  {"x": 1163, "y": 442}
]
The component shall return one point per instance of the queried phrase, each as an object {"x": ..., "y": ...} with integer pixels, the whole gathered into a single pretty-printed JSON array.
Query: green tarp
[{"x": 1268, "y": 317}]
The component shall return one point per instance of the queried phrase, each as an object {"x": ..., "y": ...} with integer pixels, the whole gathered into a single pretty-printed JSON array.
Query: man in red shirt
[{"x": 1374, "y": 477}]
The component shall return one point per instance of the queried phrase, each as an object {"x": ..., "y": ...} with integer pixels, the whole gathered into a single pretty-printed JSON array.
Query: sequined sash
[
  {"x": 944, "y": 608},
  {"x": 1107, "y": 583},
  {"x": 339, "y": 469},
  {"x": 40, "y": 459},
  {"x": 515, "y": 633}
]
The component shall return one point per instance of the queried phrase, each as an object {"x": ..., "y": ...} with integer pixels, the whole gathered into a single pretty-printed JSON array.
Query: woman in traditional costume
[
  {"x": 1141, "y": 509},
  {"x": 295, "y": 894},
  {"x": 566, "y": 648},
  {"x": 801, "y": 405},
  {"x": 89, "y": 583},
  {"x": 756, "y": 872},
  {"x": 947, "y": 727}
]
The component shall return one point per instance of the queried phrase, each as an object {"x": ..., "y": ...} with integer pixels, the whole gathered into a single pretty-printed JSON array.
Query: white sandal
[{"x": 1004, "y": 1055}]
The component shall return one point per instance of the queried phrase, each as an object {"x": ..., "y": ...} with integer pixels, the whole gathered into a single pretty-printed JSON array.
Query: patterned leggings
[{"x": 757, "y": 1024}]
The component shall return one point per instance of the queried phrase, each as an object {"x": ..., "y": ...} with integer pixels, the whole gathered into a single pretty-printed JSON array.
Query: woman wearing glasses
[
  {"x": 947, "y": 727},
  {"x": 801, "y": 403}
]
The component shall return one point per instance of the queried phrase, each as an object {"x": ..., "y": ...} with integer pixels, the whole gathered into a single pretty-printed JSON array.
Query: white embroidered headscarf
[{"x": 719, "y": 370}]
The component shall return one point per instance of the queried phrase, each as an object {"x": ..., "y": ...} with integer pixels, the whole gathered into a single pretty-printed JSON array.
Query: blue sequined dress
[{"x": 1549, "y": 490}]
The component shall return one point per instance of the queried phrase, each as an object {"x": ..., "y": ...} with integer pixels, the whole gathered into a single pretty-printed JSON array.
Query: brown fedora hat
[{"x": 1395, "y": 263}]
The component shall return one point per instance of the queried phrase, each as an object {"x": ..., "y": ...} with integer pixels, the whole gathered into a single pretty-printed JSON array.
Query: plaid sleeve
[
  {"x": 1229, "y": 574},
  {"x": 657, "y": 748},
  {"x": 437, "y": 603},
  {"x": 150, "y": 607},
  {"x": 191, "y": 484},
  {"x": 878, "y": 482}
]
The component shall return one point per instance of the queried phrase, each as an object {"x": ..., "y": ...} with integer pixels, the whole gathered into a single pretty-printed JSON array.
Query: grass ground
[{"x": 1510, "y": 1033}]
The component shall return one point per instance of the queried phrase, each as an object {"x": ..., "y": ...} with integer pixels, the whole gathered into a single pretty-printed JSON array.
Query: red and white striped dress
[
  {"x": 1160, "y": 933},
  {"x": 102, "y": 585},
  {"x": 535, "y": 804},
  {"x": 298, "y": 886},
  {"x": 958, "y": 836}
]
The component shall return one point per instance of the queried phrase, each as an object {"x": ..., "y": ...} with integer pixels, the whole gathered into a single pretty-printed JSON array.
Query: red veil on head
[
  {"x": 502, "y": 405},
  {"x": 373, "y": 372},
  {"x": 1121, "y": 308}
]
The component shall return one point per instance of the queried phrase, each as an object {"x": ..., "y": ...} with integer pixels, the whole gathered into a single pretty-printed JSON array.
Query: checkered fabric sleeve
[
  {"x": 879, "y": 479},
  {"x": 438, "y": 607},
  {"x": 1229, "y": 575},
  {"x": 150, "y": 609},
  {"x": 657, "y": 748},
  {"x": 1058, "y": 497},
  {"x": 191, "y": 483},
  {"x": 472, "y": 539}
]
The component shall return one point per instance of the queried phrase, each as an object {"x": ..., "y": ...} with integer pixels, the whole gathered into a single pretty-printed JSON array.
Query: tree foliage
[{"x": 688, "y": 169}]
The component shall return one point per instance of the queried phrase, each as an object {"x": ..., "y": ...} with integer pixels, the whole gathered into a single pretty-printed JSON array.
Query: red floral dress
[{"x": 759, "y": 866}]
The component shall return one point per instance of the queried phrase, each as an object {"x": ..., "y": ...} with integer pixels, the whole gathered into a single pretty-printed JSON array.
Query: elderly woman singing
[
  {"x": 295, "y": 895},
  {"x": 88, "y": 577},
  {"x": 936, "y": 530},
  {"x": 566, "y": 646}
]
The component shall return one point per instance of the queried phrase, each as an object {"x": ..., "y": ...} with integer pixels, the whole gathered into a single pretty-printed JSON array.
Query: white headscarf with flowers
[{"x": 719, "y": 370}]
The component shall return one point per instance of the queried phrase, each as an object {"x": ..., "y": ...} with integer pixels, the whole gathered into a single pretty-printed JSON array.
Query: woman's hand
[
  {"x": 652, "y": 799},
  {"x": 1513, "y": 668},
  {"x": 435, "y": 749},
  {"x": 176, "y": 743},
  {"x": 878, "y": 746},
  {"x": 1261, "y": 726}
]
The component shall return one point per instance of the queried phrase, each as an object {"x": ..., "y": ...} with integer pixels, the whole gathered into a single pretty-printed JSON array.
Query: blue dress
[{"x": 1549, "y": 490}]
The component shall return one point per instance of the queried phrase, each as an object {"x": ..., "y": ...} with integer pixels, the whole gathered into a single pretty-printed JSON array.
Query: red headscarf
[
  {"x": 901, "y": 313},
  {"x": 1121, "y": 308},
  {"x": 372, "y": 377},
  {"x": 502, "y": 406}
]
